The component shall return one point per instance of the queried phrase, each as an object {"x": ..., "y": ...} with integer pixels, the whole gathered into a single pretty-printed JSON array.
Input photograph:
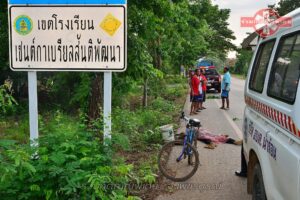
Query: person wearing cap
[{"x": 225, "y": 86}]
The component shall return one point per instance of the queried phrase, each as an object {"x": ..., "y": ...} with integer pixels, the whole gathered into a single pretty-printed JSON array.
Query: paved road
[{"x": 215, "y": 179}]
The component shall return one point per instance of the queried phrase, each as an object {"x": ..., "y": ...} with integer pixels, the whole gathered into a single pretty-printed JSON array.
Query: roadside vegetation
[
  {"x": 242, "y": 63},
  {"x": 71, "y": 161}
]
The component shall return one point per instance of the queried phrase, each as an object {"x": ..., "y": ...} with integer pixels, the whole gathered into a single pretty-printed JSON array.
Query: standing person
[
  {"x": 195, "y": 94},
  {"x": 225, "y": 86},
  {"x": 204, "y": 88},
  {"x": 200, "y": 77},
  {"x": 191, "y": 74}
]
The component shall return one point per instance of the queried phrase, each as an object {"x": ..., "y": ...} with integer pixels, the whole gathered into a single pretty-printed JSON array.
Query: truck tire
[{"x": 259, "y": 192}]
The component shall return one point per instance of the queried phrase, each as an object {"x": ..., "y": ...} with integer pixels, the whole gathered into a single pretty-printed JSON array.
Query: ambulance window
[
  {"x": 285, "y": 71},
  {"x": 260, "y": 66}
]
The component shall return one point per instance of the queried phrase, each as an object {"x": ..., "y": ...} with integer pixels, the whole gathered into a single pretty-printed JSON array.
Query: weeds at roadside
[{"x": 213, "y": 97}]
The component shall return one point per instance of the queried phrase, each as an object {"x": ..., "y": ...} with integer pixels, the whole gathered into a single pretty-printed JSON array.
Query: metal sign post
[
  {"x": 33, "y": 107},
  {"x": 107, "y": 105}
]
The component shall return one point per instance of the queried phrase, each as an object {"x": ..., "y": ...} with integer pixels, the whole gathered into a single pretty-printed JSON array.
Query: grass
[
  {"x": 13, "y": 129},
  {"x": 213, "y": 97}
]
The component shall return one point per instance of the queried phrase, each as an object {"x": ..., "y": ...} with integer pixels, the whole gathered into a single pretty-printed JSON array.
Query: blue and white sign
[{"x": 69, "y": 35}]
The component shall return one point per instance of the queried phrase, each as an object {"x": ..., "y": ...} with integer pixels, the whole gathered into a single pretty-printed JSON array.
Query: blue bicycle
[{"x": 179, "y": 160}]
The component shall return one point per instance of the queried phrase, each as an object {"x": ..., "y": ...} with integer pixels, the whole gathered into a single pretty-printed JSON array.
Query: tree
[
  {"x": 243, "y": 61},
  {"x": 19, "y": 79},
  {"x": 286, "y": 6},
  {"x": 3, "y": 38},
  {"x": 220, "y": 35}
]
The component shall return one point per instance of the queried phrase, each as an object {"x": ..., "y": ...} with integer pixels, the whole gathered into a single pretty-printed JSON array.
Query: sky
[{"x": 241, "y": 8}]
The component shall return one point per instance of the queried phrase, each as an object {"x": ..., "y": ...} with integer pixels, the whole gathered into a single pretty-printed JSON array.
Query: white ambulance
[{"x": 272, "y": 115}]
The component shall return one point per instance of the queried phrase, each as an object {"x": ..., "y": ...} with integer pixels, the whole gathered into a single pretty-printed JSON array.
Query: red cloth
[
  {"x": 204, "y": 88},
  {"x": 206, "y": 134},
  {"x": 195, "y": 85}
]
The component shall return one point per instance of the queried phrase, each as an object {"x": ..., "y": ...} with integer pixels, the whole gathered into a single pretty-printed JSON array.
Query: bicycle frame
[
  {"x": 187, "y": 149},
  {"x": 190, "y": 133}
]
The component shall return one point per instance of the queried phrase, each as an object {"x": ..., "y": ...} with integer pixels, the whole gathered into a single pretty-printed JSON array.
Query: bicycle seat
[{"x": 195, "y": 122}]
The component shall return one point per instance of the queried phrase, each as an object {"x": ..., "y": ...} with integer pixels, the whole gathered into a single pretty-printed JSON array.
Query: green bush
[
  {"x": 121, "y": 142},
  {"x": 7, "y": 101},
  {"x": 243, "y": 62},
  {"x": 69, "y": 163},
  {"x": 152, "y": 137},
  {"x": 176, "y": 79},
  {"x": 140, "y": 126},
  {"x": 152, "y": 119},
  {"x": 157, "y": 87},
  {"x": 162, "y": 105},
  {"x": 125, "y": 121},
  {"x": 17, "y": 130},
  {"x": 174, "y": 92}
]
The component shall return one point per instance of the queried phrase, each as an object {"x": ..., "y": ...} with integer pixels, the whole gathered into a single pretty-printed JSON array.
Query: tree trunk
[
  {"x": 145, "y": 93},
  {"x": 96, "y": 99},
  {"x": 156, "y": 55}
]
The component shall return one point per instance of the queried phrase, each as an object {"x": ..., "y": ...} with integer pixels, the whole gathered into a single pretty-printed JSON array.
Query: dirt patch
[{"x": 150, "y": 192}]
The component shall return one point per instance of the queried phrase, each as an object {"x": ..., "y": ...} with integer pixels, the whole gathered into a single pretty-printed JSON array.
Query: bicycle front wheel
[{"x": 174, "y": 161}]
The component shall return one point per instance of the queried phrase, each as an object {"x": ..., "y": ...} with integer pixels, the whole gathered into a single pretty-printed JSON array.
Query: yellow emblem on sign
[
  {"x": 110, "y": 24},
  {"x": 23, "y": 25}
]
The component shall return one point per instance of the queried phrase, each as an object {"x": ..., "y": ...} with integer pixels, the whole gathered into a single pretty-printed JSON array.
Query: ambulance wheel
[{"x": 258, "y": 184}]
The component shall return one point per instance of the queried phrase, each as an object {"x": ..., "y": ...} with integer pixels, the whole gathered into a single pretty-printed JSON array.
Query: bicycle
[{"x": 173, "y": 154}]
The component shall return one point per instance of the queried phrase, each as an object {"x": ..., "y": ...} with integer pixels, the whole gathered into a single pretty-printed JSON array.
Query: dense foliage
[
  {"x": 242, "y": 62},
  {"x": 7, "y": 101},
  {"x": 68, "y": 164},
  {"x": 286, "y": 6}
]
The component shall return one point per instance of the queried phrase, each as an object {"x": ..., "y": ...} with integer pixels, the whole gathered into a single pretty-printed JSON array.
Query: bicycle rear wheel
[{"x": 174, "y": 169}]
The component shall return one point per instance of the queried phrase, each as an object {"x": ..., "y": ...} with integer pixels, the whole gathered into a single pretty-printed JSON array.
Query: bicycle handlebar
[
  {"x": 184, "y": 117},
  {"x": 190, "y": 122}
]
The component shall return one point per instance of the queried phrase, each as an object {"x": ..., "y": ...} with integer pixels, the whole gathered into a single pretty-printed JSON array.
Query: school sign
[{"x": 67, "y": 35}]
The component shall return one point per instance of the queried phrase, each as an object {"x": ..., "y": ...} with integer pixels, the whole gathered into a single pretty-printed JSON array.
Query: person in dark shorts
[
  {"x": 196, "y": 97},
  {"x": 191, "y": 74},
  {"x": 225, "y": 85},
  {"x": 200, "y": 88},
  {"x": 204, "y": 88}
]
